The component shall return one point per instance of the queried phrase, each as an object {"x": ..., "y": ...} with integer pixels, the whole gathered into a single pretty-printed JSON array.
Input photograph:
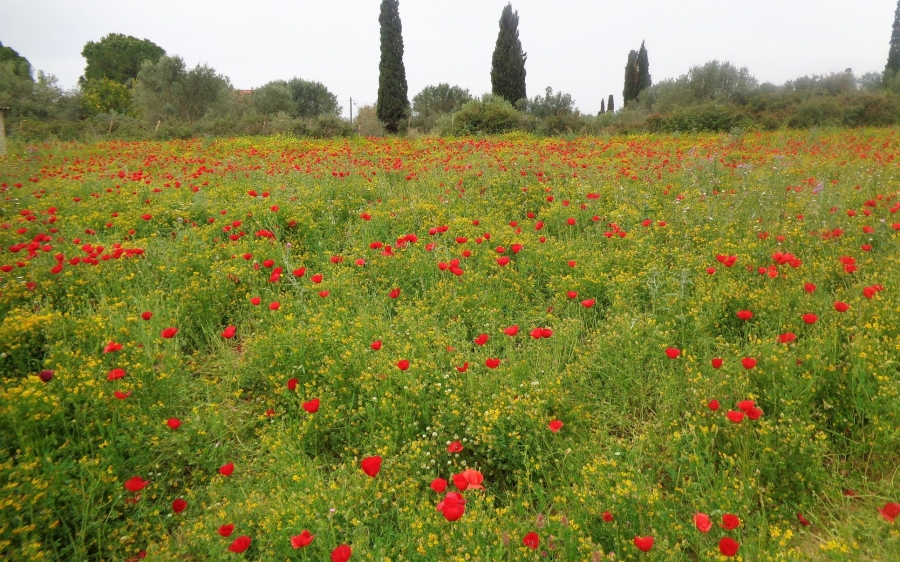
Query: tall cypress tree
[
  {"x": 602, "y": 107},
  {"x": 609, "y": 105},
  {"x": 393, "y": 105},
  {"x": 630, "y": 91},
  {"x": 508, "y": 62},
  {"x": 893, "y": 62},
  {"x": 643, "y": 66}
]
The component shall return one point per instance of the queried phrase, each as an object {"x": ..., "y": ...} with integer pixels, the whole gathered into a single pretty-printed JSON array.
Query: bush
[{"x": 489, "y": 116}]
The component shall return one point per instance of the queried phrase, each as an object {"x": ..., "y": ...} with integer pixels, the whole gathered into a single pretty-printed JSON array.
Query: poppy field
[{"x": 512, "y": 348}]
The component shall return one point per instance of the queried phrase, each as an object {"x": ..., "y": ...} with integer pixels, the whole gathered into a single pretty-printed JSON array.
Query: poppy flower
[
  {"x": 47, "y": 375},
  {"x": 311, "y": 406},
  {"x": 403, "y": 364},
  {"x": 735, "y": 417},
  {"x": 572, "y": 295},
  {"x": 473, "y": 478},
  {"x": 299, "y": 272},
  {"x": 503, "y": 260},
  {"x": 455, "y": 447},
  {"x": 169, "y": 333},
  {"x": 643, "y": 543},
  {"x": 303, "y": 539},
  {"x": 112, "y": 347},
  {"x": 463, "y": 368},
  {"x": 711, "y": 270},
  {"x": 122, "y": 395},
  {"x": 531, "y": 540},
  {"x": 588, "y": 303},
  {"x": 227, "y": 469},
  {"x": 555, "y": 426},
  {"x": 746, "y": 405},
  {"x": 317, "y": 278},
  {"x": 275, "y": 305},
  {"x": 803, "y": 520},
  {"x": 730, "y": 522},
  {"x": 228, "y": 333},
  {"x": 809, "y": 288},
  {"x": 841, "y": 306},
  {"x": 460, "y": 482},
  {"x": 754, "y": 413},
  {"x": 810, "y": 318},
  {"x": 452, "y": 506},
  {"x": 492, "y": 363},
  {"x": 439, "y": 485},
  {"x": 481, "y": 339},
  {"x": 890, "y": 511},
  {"x": 240, "y": 544},
  {"x": 728, "y": 546},
  {"x": 173, "y": 423},
  {"x": 607, "y": 516},
  {"x": 341, "y": 553},
  {"x": 713, "y": 405},
  {"x": 394, "y": 293},
  {"x": 255, "y": 301},
  {"x": 292, "y": 384},
  {"x": 375, "y": 345},
  {"x": 787, "y": 337},
  {"x": 744, "y": 315},
  {"x": 716, "y": 362},
  {"x": 179, "y": 505},
  {"x": 571, "y": 263},
  {"x": 672, "y": 352},
  {"x": 371, "y": 465},
  {"x": 511, "y": 331},
  {"x": 748, "y": 362},
  {"x": 702, "y": 522},
  {"x": 147, "y": 315},
  {"x": 135, "y": 484},
  {"x": 226, "y": 530}
]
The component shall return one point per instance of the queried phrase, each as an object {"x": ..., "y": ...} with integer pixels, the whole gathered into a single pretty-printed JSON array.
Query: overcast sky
[{"x": 576, "y": 46}]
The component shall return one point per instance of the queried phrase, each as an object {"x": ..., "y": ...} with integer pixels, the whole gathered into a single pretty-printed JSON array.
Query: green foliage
[
  {"x": 508, "y": 61},
  {"x": 366, "y": 122},
  {"x": 551, "y": 104},
  {"x": 643, "y": 64},
  {"x": 893, "y": 62},
  {"x": 167, "y": 90},
  {"x": 105, "y": 96},
  {"x": 20, "y": 67},
  {"x": 118, "y": 57},
  {"x": 435, "y": 101},
  {"x": 296, "y": 97},
  {"x": 488, "y": 116},
  {"x": 610, "y": 105},
  {"x": 632, "y": 80},
  {"x": 602, "y": 107},
  {"x": 393, "y": 104},
  {"x": 705, "y": 117}
]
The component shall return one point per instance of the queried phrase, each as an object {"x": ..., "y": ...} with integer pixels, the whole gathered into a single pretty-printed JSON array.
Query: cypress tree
[
  {"x": 602, "y": 107},
  {"x": 393, "y": 105},
  {"x": 508, "y": 62},
  {"x": 893, "y": 62},
  {"x": 643, "y": 65},
  {"x": 609, "y": 105},
  {"x": 630, "y": 91}
]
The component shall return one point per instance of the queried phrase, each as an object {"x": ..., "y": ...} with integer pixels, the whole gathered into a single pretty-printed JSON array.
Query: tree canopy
[
  {"x": 508, "y": 62},
  {"x": 893, "y": 62},
  {"x": 118, "y": 57},
  {"x": 393, "y": 105},
  {"x": 168, "y": 90}
]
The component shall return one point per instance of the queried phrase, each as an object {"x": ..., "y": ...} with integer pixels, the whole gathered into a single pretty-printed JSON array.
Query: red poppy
[
  {"x": 841, "y": 306},
  {"x": 716, "y": 362},
  {"x": 341, "y": 554},
  {"x": 375, "y": 345},
  {"x": 572, "y": 295},
  {"x": 255, "y": 301},
  {"x": 730, "y": 522},
  {"x": 135, "y": 484},
  {"x": 492, "y": 363},
  {"x": 672, "y": 352},
  {"x": 702, "y": 522},
  {"x": 228, "y": 333},
  {"x": 810, "y": 318},
  {"x": 643, "y": 543},
  {"x": 713, "y": 405},
  {"x": 748, "y": 362},
  {"x": 809, "y": 288},
  {"x": 403, "y": 364},
  {"x": 439, "y": 485},
  {"x": 311, "y": 406},
  {"x": 463, "y": 368},
  {"x": 607, "y": 516},
  {"x": 292, "y": 384},
  {"x": 452, "y": 506},
  {"x": 226, "y": 530},
  {"x": 744, "y": 314},
  {"x": 728, "y": 546},
  {"x": 275, "y": 305},
  {"x": 169, "y": 333},
  {"x": 787, "y": 337},
  {"x": 240, "y": 544},
  {"x": 588, "y": 303},
  {"x": 511, "y": 331},
  {"x": 112, "y": 347},
  {"x": 803, "y": 520},
  {"x": 227, "y": 469},
  {"x": 455, "y": 447},
  {"x": 481, "y": 339},
  {"x": 317, "y": 278},
  {"x": 555, "y": 425},
  {"x": 531, "y": 540},
  {"x": 735, "y": 417},
  {"x": 303, "y": 539},
  {"x": 890, "y": 511},
  {"x": 173, "y": 423},
  {"x": 179, "y": 505},
  {"x": 371, "y": 465},
  {"x": 115, "y": 374},
  {"x": 394, "y": 293},
  {"x": 147, "y": 315},
  {"x": 503, "y": 260},
  {"x": 122, "y": 395}
]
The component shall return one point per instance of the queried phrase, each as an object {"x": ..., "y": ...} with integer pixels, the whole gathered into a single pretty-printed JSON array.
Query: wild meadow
[{"x": 508, "y": 348}]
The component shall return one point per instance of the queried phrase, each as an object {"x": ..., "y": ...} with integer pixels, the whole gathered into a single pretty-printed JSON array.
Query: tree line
[{"x": 132, "y": 88}]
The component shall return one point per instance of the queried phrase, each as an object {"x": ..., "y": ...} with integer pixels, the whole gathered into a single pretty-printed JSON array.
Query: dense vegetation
[{"x": 432, "y": 349}]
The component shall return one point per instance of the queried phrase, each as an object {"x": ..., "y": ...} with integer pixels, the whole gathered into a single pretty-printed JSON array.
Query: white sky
[{"x": 576, "y": 46}]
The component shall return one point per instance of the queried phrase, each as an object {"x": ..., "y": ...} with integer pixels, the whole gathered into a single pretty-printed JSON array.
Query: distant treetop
[{"x": 118, "y": 57}]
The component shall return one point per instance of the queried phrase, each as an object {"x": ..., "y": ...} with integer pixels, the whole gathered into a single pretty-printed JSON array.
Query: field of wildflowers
[{"x": 636, "y": 348}]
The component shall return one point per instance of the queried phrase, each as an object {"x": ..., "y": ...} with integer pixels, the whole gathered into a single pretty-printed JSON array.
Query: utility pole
[{"x": 351, "y": 111}]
